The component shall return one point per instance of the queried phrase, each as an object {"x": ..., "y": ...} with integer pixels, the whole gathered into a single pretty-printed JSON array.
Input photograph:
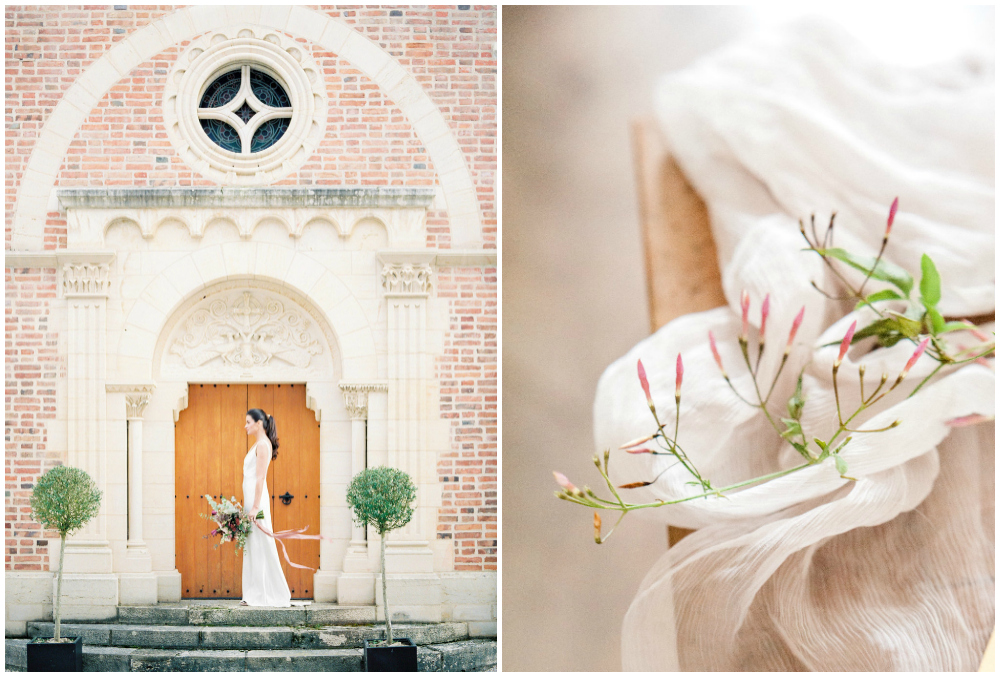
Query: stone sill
[{"x": 244, "y": 198}]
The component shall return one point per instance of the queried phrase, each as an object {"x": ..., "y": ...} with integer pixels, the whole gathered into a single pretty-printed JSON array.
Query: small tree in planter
[
  {"x": 64, "y": 499},
  {"x": 381, "y": 497}
]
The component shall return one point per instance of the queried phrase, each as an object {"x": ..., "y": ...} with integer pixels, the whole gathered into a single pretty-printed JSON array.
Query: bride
[{"x": 263, "y": 580}]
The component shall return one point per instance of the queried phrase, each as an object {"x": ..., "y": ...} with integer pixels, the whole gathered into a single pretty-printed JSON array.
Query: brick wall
[
  {"x": 33, "y": 364},
  {"x": 468, "y": 377},
  {"x": 449, "y": 51}
]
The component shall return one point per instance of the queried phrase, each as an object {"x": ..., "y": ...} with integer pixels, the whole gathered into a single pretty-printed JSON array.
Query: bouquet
[{"x": 233, "y": 523}]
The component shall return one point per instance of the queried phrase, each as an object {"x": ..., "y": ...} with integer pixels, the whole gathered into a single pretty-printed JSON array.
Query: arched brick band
[{"x": 83, "y": 95}]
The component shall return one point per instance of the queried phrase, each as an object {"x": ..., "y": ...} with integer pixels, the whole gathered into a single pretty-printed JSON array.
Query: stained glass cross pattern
[{"x": 245, "y": 111}]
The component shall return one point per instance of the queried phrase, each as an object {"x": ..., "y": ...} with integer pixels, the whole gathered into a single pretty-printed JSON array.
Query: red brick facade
[
  {"x": 468, "y": 377},
  {"x": 369, "y": 141},
  {"x": 33, "y": 364}
]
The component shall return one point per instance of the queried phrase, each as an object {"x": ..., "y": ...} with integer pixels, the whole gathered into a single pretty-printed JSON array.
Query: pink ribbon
[{"x": 288, "y": 534}]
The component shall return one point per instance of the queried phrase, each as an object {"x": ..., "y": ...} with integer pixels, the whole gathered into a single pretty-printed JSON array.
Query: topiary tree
[
  {"x": 381, "y": 497},
  {"x": 64, "y": 499}
]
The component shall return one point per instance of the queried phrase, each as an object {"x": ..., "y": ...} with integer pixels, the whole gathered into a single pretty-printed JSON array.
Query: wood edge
[{"x": 641, "y": 139}]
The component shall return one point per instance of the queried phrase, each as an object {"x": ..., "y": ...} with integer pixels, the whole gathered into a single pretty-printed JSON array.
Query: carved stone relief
[{"x": 245, "y": 330}]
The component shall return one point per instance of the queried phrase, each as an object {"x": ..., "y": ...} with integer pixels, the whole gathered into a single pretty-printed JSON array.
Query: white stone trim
[
  {"x": 270, "y": 52},
  {"x": 87, "y": 227},
  {"x": 38, "y": 180},
  {"x": 302, "y": 275}
]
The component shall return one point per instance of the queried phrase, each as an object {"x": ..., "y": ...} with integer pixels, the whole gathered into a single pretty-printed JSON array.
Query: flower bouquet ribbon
[{"x": 281, "y": 536}]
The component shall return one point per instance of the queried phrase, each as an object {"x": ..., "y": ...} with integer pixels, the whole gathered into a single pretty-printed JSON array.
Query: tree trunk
[
  {"x": 55, "y": 613},
  {"x": 385, "y": 597}
]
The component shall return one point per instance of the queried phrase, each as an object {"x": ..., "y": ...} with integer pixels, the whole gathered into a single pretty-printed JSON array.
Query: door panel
[
  {"x": 210, "y": 445},
  {"x": 296, "y": 472}
]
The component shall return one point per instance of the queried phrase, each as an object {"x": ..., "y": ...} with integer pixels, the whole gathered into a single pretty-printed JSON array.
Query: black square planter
[
  {"x": 391, "y": 658},
  {"x": 55, "y": 656}
]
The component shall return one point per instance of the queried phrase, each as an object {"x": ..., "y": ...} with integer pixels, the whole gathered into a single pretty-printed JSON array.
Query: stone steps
[
  {"x": 220, "y": 635},
  {"x": 228, "y": 612},
  {"x": 468, "y": 655},
  {"x": 252, "y": 638}
]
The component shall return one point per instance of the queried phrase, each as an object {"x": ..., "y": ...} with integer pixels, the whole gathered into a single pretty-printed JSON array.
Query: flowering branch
[{"x": 890, "y": 328}]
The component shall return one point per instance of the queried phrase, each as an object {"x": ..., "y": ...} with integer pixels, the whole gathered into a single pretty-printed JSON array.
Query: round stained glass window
[{"x": 245, "y": 111}]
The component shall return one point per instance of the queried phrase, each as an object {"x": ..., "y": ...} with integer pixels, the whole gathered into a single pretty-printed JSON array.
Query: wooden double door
[{"x": 210, "y": 445}]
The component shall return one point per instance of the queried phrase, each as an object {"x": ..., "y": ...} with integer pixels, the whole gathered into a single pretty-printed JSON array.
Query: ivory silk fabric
[{"x": 811, "y": 571}]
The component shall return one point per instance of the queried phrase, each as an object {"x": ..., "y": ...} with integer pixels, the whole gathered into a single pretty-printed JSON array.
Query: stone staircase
[{"x": 219, "y": 635}]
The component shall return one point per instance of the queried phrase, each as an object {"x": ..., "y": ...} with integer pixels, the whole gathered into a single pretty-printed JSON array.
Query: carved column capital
[
  {"x": 137, "y": 396},
  {"x": 407, "y": 279},
  {"x": 135, "y": 404},
  {"x": 85, "y": 279},
  {"x": 357, "y": 404},
  {"x": 356, "y": 397}
]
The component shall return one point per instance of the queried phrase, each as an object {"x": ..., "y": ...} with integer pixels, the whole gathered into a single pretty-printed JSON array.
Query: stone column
[
  {"x": 357, "y": 584},
  {"x": 407, "y": 281},
  {"x": 137, "y": 584},
  {"x": 90, "y": 588}
]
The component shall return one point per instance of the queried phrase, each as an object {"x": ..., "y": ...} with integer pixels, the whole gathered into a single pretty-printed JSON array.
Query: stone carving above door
[{"x": 248, "y": 332}]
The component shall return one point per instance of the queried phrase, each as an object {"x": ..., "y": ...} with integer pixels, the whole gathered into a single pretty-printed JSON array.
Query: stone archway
[{"x": 304, "y": 351}]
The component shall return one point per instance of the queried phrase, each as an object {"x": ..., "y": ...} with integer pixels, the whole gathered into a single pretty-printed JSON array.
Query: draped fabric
[{"x": 894, "y": 571}]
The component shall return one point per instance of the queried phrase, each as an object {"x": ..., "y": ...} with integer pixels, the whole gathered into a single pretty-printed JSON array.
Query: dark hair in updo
[{"x": 269, "y": 429}]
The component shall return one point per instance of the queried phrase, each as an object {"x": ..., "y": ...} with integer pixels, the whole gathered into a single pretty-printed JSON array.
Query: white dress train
[{"x": 263, "y": 580}]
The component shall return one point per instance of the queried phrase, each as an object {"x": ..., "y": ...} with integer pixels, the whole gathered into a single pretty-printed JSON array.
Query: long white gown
[{"x": 263, "y": 580}]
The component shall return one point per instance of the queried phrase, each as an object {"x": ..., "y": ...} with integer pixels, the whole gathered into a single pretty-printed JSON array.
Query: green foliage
[
  {"x": 841, "y": 465},
  {"x": 884, "y": 295},
  {"x": 65, "y": 499},
  {"x": 930, "y": 282},
  {"x": 882, "y": 270},
  {"x": 890, "y": 330},
  {"x": 381, "y": 497}
]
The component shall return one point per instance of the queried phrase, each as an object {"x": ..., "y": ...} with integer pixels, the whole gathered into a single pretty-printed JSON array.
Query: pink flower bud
[
  {"x": 715, "y": 353},
  {"x": 764, "y": 310},
  {"x": 846, "y": 343},
  {"x": 680, "y": 376},
  {"x": 892, "y": 216},
  {"x": 796, "y": 323},
  {"x": 564, "y": 482},
  {"x": 637, "y": 441},
  {"x": 745, "y": 305},
  {"x": 916, "y": 356},
  {"x": 645, "y": 384},
  {"x": 640, "y": 450}
]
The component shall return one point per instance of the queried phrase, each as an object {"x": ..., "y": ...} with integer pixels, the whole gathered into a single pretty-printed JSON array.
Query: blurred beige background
[
  {"x": 574, "y": 299},
  {"x": 574, "y": 295}
]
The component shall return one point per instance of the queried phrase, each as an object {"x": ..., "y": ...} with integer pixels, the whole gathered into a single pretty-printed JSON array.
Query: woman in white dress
[{"x": 263, "y": 580}]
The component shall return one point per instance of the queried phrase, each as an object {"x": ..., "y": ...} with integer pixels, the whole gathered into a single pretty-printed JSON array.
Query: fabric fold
[{"x": 894, "y": 571}]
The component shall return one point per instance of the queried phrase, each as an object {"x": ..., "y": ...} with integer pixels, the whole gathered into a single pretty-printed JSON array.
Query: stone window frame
[{"x": 265, "y": 50}]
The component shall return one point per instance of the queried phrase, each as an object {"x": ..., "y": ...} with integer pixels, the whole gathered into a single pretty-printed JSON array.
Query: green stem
[
  {"x": 929, "y": 376},
  {"x": 770, "y": 390},
  {"x": 836, "y": 395},
  {"x": 606, "y": 536},
  {"x": 717, "y": 492}
]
